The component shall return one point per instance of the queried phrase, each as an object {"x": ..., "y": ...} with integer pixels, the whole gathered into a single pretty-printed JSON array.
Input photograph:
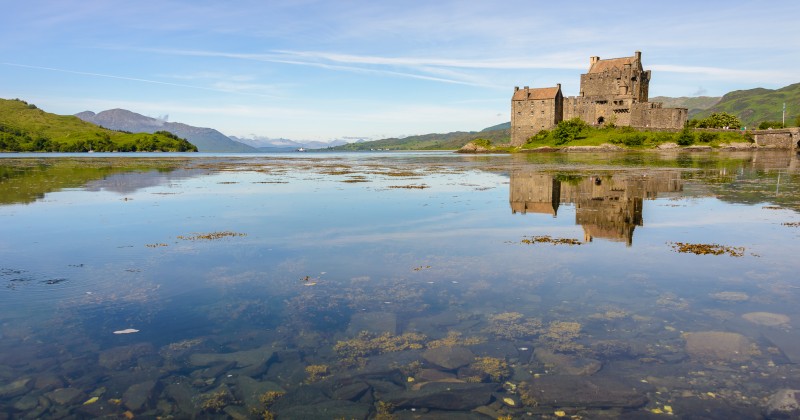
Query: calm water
[{"x": 403, "y": 285}]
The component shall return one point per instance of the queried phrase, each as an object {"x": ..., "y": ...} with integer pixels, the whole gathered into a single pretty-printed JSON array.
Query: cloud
[
  {"x": 137, "y": 79},
  {"x": 727, "y": 74}
]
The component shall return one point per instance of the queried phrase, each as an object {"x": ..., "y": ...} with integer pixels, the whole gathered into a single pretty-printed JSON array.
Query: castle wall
[
  {"x": 788, "y": 138},
  {"x": 652, "y": 115},
  {"x": 530, "y": 116}
]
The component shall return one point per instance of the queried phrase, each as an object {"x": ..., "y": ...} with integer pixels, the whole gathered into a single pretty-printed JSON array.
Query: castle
[{"x": 614, "y": 91}]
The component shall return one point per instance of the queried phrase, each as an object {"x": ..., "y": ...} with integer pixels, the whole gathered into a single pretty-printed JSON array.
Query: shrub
[
  {"x": 663, "y": 137},
  {"x": 770, "y": 124},
  {"x": 797, "y": 121},
  {"x": 706, "y": 137},
  {"x": 634, "y": 139},
  {"x": 685, "y": 138},
  {"x": 541, "y": 135},
  {"x": 482, "y": 142},
  {"x": 568, "y": 130}
]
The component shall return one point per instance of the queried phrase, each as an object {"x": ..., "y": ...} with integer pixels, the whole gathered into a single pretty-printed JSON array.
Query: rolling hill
[
  {"x": 695, "y": 105},
  {"x": 754, "y": 106},
  {"x": 433, "y": 141},
  {"x": 206, "y": 139},
  {"x": 26, "y": 128}
]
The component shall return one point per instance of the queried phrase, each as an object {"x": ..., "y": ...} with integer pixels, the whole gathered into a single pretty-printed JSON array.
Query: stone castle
[{"x": 614, "y": 91}]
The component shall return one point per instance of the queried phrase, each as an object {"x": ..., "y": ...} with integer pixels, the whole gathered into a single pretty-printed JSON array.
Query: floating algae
[{"x": 707, "y": 249}]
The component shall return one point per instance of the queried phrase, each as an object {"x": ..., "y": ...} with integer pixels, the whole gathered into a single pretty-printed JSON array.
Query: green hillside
[
  {"x": 754, "y": 106},
  {"x": 25, "y": 128},
  {"x": 434, "y": 141}
]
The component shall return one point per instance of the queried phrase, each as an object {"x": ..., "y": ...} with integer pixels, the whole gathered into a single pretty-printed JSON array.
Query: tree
[
  {"x": 720, "y": 120},
  {"x": 797, "y": 121},
  {"x": 568, "y": 130}
]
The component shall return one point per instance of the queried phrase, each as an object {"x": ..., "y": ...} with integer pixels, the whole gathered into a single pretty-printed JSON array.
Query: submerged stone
[
  {"x": 449, "y": 357},
  {"x": 373, "y": 322},
  {"x": 66, "y": 396},
  {"x": 713, "y": 346},
  {"x": 332, "y": 409},
  {"x": 767, "y": 319},
  {"x": 124, "y": 356},
  {"x": 567, "y": 364},
  {"x": 17, "y": 387},
  {"x": 784, "y": 404},
  {"x": 444, "y": 396},
  {"x": 138, "y": 396},
  {"x": 581, "y": 391}
]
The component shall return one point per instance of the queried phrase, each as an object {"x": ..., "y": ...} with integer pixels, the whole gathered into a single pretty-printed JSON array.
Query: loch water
[{"x": 399, "y": 285}]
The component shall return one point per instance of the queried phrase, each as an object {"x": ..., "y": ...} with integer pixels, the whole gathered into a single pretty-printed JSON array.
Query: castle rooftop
[{"x": 537, "y": 93}]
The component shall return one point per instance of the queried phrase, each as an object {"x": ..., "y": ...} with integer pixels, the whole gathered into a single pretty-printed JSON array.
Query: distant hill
[
  {"x": 501, "y": 126},
  {"x": 694, "y": 104},
  {"x": 434, "y": 141},
  {"x": 754, "y": 106},
  {"x": 26, "y": 128},
  {"x": 206, "y": 139},
  {"x": 281, "y": 144}
]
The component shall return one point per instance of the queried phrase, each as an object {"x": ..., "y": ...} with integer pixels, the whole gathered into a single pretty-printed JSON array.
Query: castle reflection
[{"x": 607, "y": 206}]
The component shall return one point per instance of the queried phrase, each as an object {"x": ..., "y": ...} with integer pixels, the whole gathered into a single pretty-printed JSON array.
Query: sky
[{"x": 324, "y": 70}]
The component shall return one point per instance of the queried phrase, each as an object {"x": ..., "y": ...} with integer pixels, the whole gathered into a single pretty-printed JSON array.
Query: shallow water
[{"x": 248, "y": 274}]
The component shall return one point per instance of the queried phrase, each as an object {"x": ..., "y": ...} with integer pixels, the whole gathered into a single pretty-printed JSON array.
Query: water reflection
[{"x": 607, "y": 206}]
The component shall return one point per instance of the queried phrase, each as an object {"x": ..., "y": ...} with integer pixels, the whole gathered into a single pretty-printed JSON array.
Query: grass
[{"x": 26, "y": 128}]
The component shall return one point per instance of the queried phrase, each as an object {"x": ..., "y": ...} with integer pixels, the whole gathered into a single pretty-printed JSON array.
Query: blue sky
[{"x": 320, "y": 70}]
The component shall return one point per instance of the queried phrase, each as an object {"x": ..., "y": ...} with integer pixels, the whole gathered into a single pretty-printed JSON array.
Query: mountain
[
  {"x": 26, "y": 128},
  {"x": 448, "y": 141},
  {"x": 695, "y": 104},
  {"x": 206, "y": 139},
  {"x": 754, "y": 106},
  {"x": 272, "y": 144}
]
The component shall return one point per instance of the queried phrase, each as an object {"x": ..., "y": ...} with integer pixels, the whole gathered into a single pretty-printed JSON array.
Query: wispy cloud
[
  {"x": 137, "y": 79},
  {"x": 727, "y": 74}
]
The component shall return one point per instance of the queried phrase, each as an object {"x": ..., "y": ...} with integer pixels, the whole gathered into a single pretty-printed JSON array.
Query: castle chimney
[
  {"x": 638, "y": 55},
  {"x": 526, "y": 88},
  {"x": 516, "y": 88},
  {"x": 558, "y": 85},
  {"x": 593, "y": 59}
]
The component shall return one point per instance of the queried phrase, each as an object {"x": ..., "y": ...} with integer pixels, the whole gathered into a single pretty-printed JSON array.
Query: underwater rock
[
  {"x": 730, "y": 296},
  {"x": 66, "y": 396},
  {"x": 182, "y": 393},
  {"x": 767, "y": 319},
  {"x": 256, "y": 359},
  {"x": 18, "y": 387},
  {"x": 431, "y": 375},
  {"x": 567, "y": 364},
  {"x": 26, "y": 403},
  {"x": 138, "y": 396},
  {"x": 351, "y": 392},
  {"x": 236, "y": 412},
  {"x": 123, "y": 356},
  {"x": 249, "y": 390},
  {"x": 717, "y": 346},
  {"x": 333, "y": 409},
  {"x": 789, "y": 344},
  {"x": 784, "y": 404},
  {"x": 444, "y": 396},
  {"x": 449, "y": 357},
  {"x": 373, "y": 322},
  {"x": 48, "y": 382},
  {"x": 580, "y": 391}
]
